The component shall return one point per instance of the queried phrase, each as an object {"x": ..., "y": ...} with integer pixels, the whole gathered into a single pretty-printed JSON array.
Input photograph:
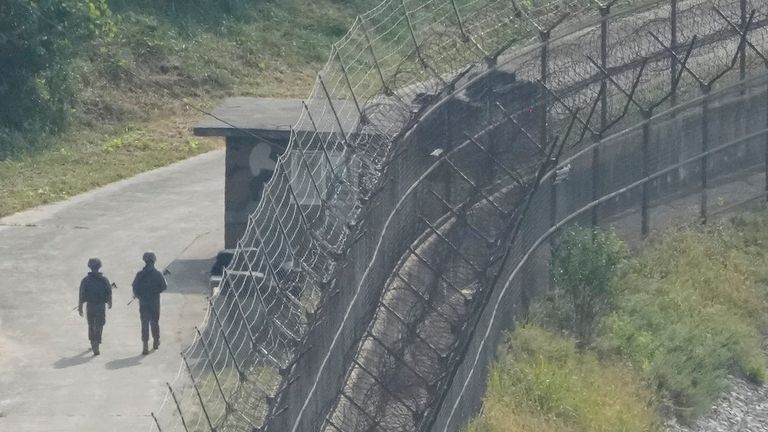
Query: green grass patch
[
  {"x": 120, "y": 123},
  {"x": 690, "y": 309},
  {"x": 81, "y": 162},
  {"x": 694, "y": 311},
  {"x": 542, "y": 382}
]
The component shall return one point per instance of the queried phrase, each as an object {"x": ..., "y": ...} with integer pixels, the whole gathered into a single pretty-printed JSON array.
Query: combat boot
[
  {"x": 145, "y": 349},
  {"x": 156, "y": 344}
]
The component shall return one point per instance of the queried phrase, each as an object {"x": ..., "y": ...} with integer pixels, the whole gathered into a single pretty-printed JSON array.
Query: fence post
[
  {"x": 553, "y": 202},
  {"x": 743, "y": 48},
  {"x": 178, "y": 407},
  {"x": 544, "y": 70},
  {"x": 673, "y": 45},
  {"x": 704, "y": 149},
  {"x": 644, "y": 216},
  {"x": 605, "y": 11}
]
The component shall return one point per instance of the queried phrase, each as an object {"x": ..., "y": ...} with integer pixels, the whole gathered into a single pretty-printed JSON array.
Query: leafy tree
[
  {"x": 584, "y": 267},
  {"x": 38, "y": 40}
]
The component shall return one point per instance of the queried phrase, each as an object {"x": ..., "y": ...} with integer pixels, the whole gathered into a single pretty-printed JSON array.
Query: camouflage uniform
[
  {"x": 147, "y": 286},
  {"x": 96, "y": 292}
]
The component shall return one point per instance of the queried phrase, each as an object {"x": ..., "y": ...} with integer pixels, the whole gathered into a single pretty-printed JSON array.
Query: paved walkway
[{"x": 49, "y": 381}]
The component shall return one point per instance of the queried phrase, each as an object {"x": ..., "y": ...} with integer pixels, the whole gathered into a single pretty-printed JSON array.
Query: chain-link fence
[{"x": 387, "y": 256}]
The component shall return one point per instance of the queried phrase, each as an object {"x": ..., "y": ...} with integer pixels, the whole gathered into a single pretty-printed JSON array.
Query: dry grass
[{"x": 541, "y": 382}]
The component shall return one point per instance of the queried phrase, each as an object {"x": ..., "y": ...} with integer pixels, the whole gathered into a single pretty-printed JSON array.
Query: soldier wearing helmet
[
  {"x": 96, "y": 292},
  {"x": 147, "y": 286}
]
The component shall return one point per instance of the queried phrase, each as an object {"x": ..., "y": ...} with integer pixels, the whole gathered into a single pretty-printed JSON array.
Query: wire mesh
[{"x": 444, "y": 142}]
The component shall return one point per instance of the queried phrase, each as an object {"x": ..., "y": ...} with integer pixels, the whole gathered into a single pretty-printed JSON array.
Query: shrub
[
  {"x": 585, "y": 266},
  {"x": 37, "y": 42}
]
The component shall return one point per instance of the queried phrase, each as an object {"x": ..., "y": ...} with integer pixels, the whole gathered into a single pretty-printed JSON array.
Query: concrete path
[{"x": 49, "y": 380}]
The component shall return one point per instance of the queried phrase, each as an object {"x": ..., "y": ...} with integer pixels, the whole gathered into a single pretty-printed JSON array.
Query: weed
[{"x": 542, "y": 382}]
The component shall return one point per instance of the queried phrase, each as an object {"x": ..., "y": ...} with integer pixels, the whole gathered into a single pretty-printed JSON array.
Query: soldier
[
  {"x": 147, "y": 286},
  {"x": 95, "y": 290}
]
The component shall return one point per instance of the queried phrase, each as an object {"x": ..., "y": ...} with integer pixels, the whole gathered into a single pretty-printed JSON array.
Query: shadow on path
[
  {"x": 124, "y": 362},
  {"x": 75, "y": 360}
]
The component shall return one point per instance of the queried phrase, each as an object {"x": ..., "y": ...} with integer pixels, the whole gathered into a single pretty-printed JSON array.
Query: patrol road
[{"x": 49, "y": 379}]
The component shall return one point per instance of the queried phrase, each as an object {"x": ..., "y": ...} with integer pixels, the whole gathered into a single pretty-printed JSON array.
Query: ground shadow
[
  {"x": 124, "y": 362},
  {"x": 189, "y": 276},
  {"x": 75, "y": 360}
]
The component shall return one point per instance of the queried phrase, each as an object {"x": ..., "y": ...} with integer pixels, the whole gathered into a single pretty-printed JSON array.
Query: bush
[
  {"x": 690, "y": 314},
  {"x": 585, "y": 266},
  {"x": 38, "y": 39},
  {"x": 542, "y": 383}
]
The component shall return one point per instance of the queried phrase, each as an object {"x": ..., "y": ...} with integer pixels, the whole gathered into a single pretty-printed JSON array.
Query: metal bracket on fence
[
  {"x": 743, "y": 33},
  {"x": 574, "y": 112}
]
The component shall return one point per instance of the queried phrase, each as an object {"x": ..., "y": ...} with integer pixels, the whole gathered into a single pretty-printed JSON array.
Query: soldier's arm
[
  {"x": 108, "y": 287},
  {"x": 162, "y": 281},
  {"x": 135, "y": 285},
  {"x": 81, "y": 297}
]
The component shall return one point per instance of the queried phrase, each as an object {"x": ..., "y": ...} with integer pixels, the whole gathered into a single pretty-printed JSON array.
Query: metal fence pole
[
  {"x": 178, "y": 407},
  {"x": 743, "y": 47},
  {"x": 644, "y": 216},
  {"x": 544, "y": 70},
  {"x": 673, "y": 45},
  {"x": 704, "y": 148},
  {"x": 605, "y": 12}
]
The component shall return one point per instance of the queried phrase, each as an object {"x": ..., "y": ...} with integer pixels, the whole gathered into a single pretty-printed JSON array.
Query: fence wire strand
[{"x": 443, "y": 143}]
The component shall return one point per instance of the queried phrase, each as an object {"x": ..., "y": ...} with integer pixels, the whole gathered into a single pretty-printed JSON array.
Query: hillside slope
[{"x": 137, "y": 88}]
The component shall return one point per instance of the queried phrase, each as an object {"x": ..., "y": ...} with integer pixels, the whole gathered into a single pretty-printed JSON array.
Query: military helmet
[
  {"x": 149, "y": 257},
  {"x": 94, "y": 264}
]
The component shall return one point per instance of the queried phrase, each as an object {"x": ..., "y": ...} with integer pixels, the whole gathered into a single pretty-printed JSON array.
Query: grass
[
  {"x": 542, "y": 383},
  {"x": 124, "y": 124},
  {"x": 691, "y": 309},
  {"x": 694, "y": 310},
  {"x": 78, "y": 163}
]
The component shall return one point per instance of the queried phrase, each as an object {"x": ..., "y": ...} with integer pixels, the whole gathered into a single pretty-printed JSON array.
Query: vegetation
[
  {"x": 542, "y": 382},
  {"x": 82, "y": 94},
  {"x": 584, "y": 270},
  {"x": 683, "y": 314},
  {"x": 694, "y": 311}
]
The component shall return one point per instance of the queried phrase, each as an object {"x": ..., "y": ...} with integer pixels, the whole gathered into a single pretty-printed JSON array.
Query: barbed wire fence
[{"x": 423, "y": 179}]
